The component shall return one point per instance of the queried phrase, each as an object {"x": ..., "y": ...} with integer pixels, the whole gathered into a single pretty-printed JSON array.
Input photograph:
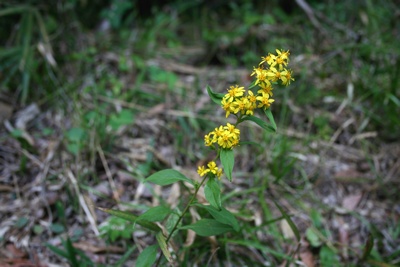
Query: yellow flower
[
  {"x": 232, "y": 129},
  {"x": 282, "y": 59},
  {"x": 269, "y": 59},
  {"x": 212, "y": 167},
  {"x": 264, "y": 100},
  {"x": 241, "y": 105},
  {"x": 252, "y": 99},
  {"x": 267, "y": 89},
  {"x": 234, "y": 91},
  {"x": 201, "y": 170},
  {"x": 284, "y": 55},
  {"x": 219, "y": 131},
  {"x": 208, "y": 139},
  {"x": 273, "y": 74},
  {"x": 219, "y": 173},
  {"x": 260, "y": 75},
  {"x": 286, "y": 77},
  {"x": 227, "y": 106}
]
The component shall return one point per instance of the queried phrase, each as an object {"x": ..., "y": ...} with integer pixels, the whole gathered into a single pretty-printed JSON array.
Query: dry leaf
[{"x": 350, "y": 202}]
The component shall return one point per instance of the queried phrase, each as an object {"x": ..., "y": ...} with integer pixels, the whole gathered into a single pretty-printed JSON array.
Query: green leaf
[
  {"x": 212, "y": 193},
  {"x": 155, "y": 214},
  {"x": 58, "y": 251},
  {"x": 270, "y": 118},
  {"x": 228, "y": 161},
  {"x": 72, "y": 253},
  {"x": 57, "y": 228},
  {"x": 313, "y": 237},
  {"x": 166, "y": 177},
  {"x": 215, "y": 97},
  {"x": 75, "y": 134},
  {"x": 208, "y": 227},
  {"x": 162, "y": 242},
  {"x": 328, "y": 257},
  {"x": 132, "y": 218},
  {"x": 223, "y": 216},
  {"x": 289, "y": 220},
  {"x": 266, "y": 126},
  {"x": 172, "y": 220},
  {"x": 148, "y": 257},
  {"x": 125, "y": 117}
]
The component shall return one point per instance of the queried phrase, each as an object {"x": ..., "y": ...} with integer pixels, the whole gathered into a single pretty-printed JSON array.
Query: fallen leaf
[
  {"x": 307, "y": 258},
  {"x": 350, "y": 202}
]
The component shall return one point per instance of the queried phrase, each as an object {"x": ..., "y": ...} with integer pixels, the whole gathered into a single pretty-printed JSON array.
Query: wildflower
[
  {"x": 281, "y": 60},
  {"x": 286, "y": 77},
  {"x": 225, "y": 140},
  {"x": 241, "y": 105},
  {"x": 201, "y": 170},
  {"x": 269, "y": 59},
  {"x": 260, "y": 75},
  {"x": 219, "y": 173},
  {"x": 219, "y": 131},
  {"x": 264, "y": 100},
  {"x": 208, "y": 139},
  {"x": 284, "y": 55},
  {"x": 212, "y": 167},
  {"x": 232, "y": 129},
  {"x": 234, "y": 91},
  {"x": 273, "y": 74},
  {"x": 227, "y": 106},
  {"x": 252, "y": 100},
  {"x": 267, "y": 89}
]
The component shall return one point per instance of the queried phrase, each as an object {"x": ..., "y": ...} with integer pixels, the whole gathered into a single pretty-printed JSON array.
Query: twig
[
  {"x": 108, "y": 173},
  {"x": 82, "y": 201},
  {"x": 310, "y": 14}
]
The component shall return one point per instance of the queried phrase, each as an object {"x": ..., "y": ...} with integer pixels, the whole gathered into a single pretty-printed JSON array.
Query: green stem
[{"x": 183, "y": 214}]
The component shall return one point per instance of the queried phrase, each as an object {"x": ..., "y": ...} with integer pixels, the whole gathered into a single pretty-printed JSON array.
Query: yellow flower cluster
[
  {"x": 225, "y": 136},
  {"x": 271, "y": 69},
  {"x": 212, "y": 167}
]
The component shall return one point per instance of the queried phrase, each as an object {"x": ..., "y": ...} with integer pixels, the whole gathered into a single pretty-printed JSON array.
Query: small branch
[
  {"x": 108, "y": 173},
  {"x": 310, "y": 14}
]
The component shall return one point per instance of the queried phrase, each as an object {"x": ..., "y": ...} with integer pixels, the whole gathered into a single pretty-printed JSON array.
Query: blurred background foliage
[{"x": 40, "y": 40}]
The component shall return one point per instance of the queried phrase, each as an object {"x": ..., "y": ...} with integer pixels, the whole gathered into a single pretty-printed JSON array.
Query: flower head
[
  {"x": 212, "y": 168},
  {"x": 264, "y": 101},
  {"x": 234, "y": 91}
]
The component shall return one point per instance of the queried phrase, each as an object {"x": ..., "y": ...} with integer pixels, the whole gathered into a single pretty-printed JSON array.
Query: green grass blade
[{"x": 289, "y": 220}]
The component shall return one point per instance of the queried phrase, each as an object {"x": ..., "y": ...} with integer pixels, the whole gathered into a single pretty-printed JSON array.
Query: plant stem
[{"x": 183, "y": 214}]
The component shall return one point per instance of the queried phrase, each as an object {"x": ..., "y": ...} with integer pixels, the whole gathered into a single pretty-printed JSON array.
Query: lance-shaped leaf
[
  {"x": 270, "y": 118},
  {"x": 215, "y": 97},
  {"x": 166, "y": 177},
  {"x": 289, "y": 221},
  {"x": 266, "y": 126},
  {"x": 147, "y": 257},
  {"x": 228, "y": 161},
  {"x": 132, "y": 218},
  {"x": 223, "y": 215},
  {"x": 208, "y": 227},
  {"x": 154, "y": 214},
  {"x": 212, "y": 192},
  {"x": 162, "y": 241}
]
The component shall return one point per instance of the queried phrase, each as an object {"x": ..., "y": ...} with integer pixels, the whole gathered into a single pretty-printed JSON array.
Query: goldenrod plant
[{"x": 243, "y": 105}]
